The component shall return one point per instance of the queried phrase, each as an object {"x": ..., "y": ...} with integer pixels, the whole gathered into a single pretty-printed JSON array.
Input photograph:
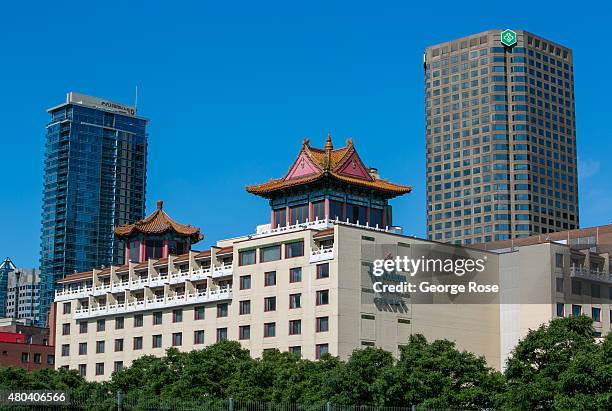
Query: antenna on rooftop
[{"x": 136, "y": 99}]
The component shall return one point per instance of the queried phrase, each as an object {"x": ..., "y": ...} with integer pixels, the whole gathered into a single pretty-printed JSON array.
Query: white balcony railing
[
  {"x": 322, "y": 254},
  {"x": 155, "y": 303},
  {"x": 140, "y": 283},
  {"x": 266, "y": 229},
  {"x": 588, "y": 274}
]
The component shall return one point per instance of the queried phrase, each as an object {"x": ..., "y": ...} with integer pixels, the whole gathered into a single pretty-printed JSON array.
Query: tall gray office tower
[
  {"x": 500, "y": 138},
  {"x": 95, "y": 180}
]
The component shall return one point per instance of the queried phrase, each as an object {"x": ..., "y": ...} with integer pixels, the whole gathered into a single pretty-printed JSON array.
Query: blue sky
[{"x": 233, "y": 87}]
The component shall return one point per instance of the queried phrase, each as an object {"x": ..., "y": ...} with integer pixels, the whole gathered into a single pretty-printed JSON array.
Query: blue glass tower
[{"x": 94, "y": 180}]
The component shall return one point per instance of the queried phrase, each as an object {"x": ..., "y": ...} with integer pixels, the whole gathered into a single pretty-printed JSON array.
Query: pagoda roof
[
  {"x": 342, "y": 164},
  {"x": 159, "y": 223}
]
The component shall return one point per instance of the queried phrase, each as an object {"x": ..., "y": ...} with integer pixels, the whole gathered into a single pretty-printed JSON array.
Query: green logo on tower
[{"x": 508, "y": 38}]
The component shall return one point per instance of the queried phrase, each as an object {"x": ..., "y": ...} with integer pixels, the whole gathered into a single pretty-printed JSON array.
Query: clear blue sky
[{"x": 232, "y": 88}]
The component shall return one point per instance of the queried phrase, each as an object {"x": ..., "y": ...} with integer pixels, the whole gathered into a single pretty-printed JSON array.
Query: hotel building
[
  {"x": 302, "y": 283},
  {"x": 500, "y": 138}
]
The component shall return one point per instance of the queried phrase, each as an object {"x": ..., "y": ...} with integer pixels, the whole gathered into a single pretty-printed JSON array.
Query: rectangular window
[
  {"x": 51, "y": 359},
  {"x": 198, "y": 337},
  {"x": 244, "y": 332},
  {"x": 269, "y": 329},
  {"x": 156, "y": 341},
  {"x": 245, "y": 307},
  {"x": 83, "y": 348},
  {"x": 576, "y": 310},
  {"x": 322, "y": 324},
  {"x": 65, "y": 350},
  {"x": 66, "y": 308},
  {"x": 138, "y": 320},
  {"x": 222, "y": 310},
  {"x": 66, "y": 329},
  {"x": 318, "y": 210},
  {"x": 246, "y": 257},
  {"x": 270, "y": 304},
  {"x": 270, "y": 253},
  {"x": 177, "y": 315},
  {"x": 298, "y": 214},
  {"x": 99, "y": 368},
  {"x": 82, "y": 370},
  {"x": 559, "y": 285},
  {"x": 322, "y": 297},
  {"x": 25, "y": 357},
  {"x": 270, "y": 278},
  {"x": 157, "y": 317},
  {"x": 280, "y": 217},
  {"x": 118, "y": 366},
  {"x": 118, "y": 344},
  {"x": 335, "y": 210},
  {"x": 576, "y": 287},
  {"x": 559, "y": 260},
  {"x": 100, "y": 325},
  {"x": 100, "y": 347},
  {"x": 295, "y": 249},
  {"x": 221, "y": 334},
  {"x": 596, "y": 314},
  {"x": 595, "y": 291},
  {"x": 320, "y": 350},
  {"x": 323, "y": 270},
  {"x": 560, "y": 310},
  {"x": 137, "y": 343},
  {"x": 177, "y": 339},
  {"x": 295, "y": 275},
  {"x": 198, "y": 313},
  {"x": 37, "y": 358},
  {"x": 83, "y": 327},
  {"x": 119, "y": 323},
  {"x": 296, "y": 349},
  {"x": 295, "y": 300},
  {"x": 245, "y": 282},
  {"x": 295, "y": 327}
]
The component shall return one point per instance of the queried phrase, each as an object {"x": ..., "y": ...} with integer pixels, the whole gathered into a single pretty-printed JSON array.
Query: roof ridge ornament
[
  {"x": 160, "y": 204},
  {"x": 328, "y": 149},
  {"x": 306, "y": 142}
]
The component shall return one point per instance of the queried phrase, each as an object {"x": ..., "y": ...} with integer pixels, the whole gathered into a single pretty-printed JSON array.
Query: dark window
[
  {"x": 157, "y": 341},
  {"x": 99, "y": 347},
  {"x": 595, "y": 290},
  {"x": 356, "y": 214},
  {"x": 559, "y": 260},
  {"x": 119, "y": 323},
  {"x": 157, "y": 318},
  {"x": 51, "y": 359},
  {"x": 37, "y": 358},
  {"x": 296, "y": 349},
  {"x": 322, "y": 324},
  {"x": 135, "y": 251},
  {"x": 198, "y": 313},
  {"x": 82, "y": 370},
  {"x": 318, "y": 210},
  {"x": 245, "y": 307},
  {"x": 576, "y": 287},
  {"x": 335, "y": 210},
  {"x": 66, "y": 329},
  {"x": 245, "y": 282},
  {"x": 596, "y": 314},
  {"x": 66, "y": 308},
  {"x": 83, "y": 348},
  {"x": 177, "y": 339},
  {"x": 270, "y": 304},
  {"x": 323, "y": 270},
  {"x": 320, "y": 350},
  {"x": 375, "y": 217},
  {"x": 269, "y": 329},
  {"x": 295, "y": 249},
  {"x": 246, "y": 257},
  {"x": 25, "y": 357},
  {"x": 177, "y": 315},
  {"x": 298, "y": 214},
  {"x": 322, "y": 297},
  {"x": 221, "y": 334},
  {"x": 83, "y": 327},
  {"x": 295, "y": 327},
  {"x": 118, "y": 366},
  {"x": 100, "y": 325},
  {"x": 138, "y": 320},
  {"x": 119, "y": 344},
  {"x": 100, "y": 368},
  {"x": 295, "y": 275},
  {"x": 222, "y": 310},
  {"x": 198, "y": 337},
  {"x": 270, "y": 278},
  {"x": 138, "y": 343},
  {"x": 295, "y": 300},
  {"x": 280, "y": 218},
  {"x": 576, "y": 310},
  {"x": 244, "y": 332},
  {"x": 154, "y": 249},
  {"x": 65, "y": 350},
  {"x": 271, "y": 253}
]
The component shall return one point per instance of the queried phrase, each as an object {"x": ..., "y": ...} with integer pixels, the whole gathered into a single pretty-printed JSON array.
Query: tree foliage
[{"x": 558, "y": 366}]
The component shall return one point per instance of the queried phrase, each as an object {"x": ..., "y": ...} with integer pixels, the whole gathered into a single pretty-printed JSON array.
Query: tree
[{"x": 560, "y": 366}]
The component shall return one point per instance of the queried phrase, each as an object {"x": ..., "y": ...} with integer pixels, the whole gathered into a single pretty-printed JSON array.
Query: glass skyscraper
[
  {"x": 500, "y": 138},
  {"x": 94, "y": 180}
]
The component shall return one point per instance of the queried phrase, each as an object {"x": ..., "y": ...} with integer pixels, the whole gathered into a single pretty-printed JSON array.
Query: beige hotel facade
[{"x": 304, "y": 284}]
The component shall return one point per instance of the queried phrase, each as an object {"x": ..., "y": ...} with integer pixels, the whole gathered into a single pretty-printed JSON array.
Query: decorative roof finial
[
  {"x": 328, "y": 143},
  {"x": 306, "y": 142},
  {"x": 349, "y": 141},
  {"x": 160, "y": 204}
]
